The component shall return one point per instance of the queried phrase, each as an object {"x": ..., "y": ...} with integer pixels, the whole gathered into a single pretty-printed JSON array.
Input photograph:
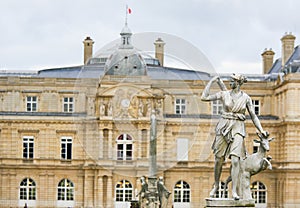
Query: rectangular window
[
  {"x": 256, "y": 106},
  {"x": 180, "y": 106},
  {"x": 28, "y": 147},
  {"x": 182, "y": 149},
  {"x": 66, "y": 148},
  {"x": 31, "y": 104},
  {"x": 68, "y": 104},
  {"x": 217, "y": 107}
]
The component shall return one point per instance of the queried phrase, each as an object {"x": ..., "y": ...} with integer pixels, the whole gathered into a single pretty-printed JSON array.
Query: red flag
[{"x": 129, "y": 11}]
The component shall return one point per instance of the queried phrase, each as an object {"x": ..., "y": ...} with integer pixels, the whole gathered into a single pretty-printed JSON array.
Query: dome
[
  {"x": 125, "y": 62},
  {"x": 126, "y": 30}
]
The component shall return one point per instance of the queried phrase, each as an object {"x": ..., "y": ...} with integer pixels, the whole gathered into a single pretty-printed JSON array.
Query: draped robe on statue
[{"x": 231, "y": 123}]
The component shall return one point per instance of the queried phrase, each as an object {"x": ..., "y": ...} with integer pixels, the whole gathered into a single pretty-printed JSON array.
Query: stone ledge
[{"x": 216, "y": 202}]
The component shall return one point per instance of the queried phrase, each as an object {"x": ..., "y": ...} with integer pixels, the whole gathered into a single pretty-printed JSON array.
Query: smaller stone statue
[
  {"x": 109, "y": 110},
  {"x": 163, "y": 193},
  {"x": 156, "y": 197},
  {"x": 144, "y": 192},
  {"x": 102, "y": 109},
  {"x": 141, "y": 109}
]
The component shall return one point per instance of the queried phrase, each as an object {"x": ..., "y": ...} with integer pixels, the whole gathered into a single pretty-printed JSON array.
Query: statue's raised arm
[{"x": 206, "y": 95}]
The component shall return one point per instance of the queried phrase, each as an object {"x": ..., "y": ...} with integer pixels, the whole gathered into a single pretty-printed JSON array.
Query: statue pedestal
[{"x": 215, "y": 202}]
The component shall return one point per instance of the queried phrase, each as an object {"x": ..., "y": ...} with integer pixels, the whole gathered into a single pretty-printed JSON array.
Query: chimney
[
  {"x": 88, "y": 49},
  {"x": 267, "y": 58},
  {"x": 159, "y": 50},
  {"x": 287, "y": 47}
]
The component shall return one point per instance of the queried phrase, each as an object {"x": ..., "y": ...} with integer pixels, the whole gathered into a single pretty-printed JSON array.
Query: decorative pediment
[{"x": 125, "y": 101}]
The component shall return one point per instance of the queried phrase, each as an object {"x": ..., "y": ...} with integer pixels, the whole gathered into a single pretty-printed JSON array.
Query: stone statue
[
  {"x": 109, "y": 110},
  {"x": 163, "y": 193},
  {"x": 144, "y": 192},
  {"x": 230, "y": 130},
  {"x": 141, "y": 108},
  {"x": 102, "y": 109},
  {"x": 147, "y": 198}
]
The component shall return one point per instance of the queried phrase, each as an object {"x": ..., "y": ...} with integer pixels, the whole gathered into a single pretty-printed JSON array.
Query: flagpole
[{"x": 126, "y": 14}]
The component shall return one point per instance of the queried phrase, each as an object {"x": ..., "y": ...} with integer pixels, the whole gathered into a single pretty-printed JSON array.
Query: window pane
[
  {"x": 177, "y": 196},
  {"x": 186, "y": 196},
  {"x": 120, "y": 152},
  {"x": 23, "y": 195},
  {"x": 69, "y": 151},
  {"x": 25, "y": 150},
  {"x": 31, "y": 193},
  {"x": 69, "y": 194}
]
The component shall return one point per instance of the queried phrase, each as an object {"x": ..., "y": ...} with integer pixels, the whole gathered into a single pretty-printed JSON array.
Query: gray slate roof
[
  {"x": 154, "y": 72},
  {"x": 276, "y": 68},
  {"x": 292, "y": 65},
  {"x": 94, "y": 71}
]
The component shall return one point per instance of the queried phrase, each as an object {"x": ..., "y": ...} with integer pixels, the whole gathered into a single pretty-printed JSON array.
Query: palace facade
[{"x": 79, "y": 136}]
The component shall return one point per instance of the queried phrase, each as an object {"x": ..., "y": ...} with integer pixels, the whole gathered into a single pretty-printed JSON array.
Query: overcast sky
[{"x": 37, "y": 34}]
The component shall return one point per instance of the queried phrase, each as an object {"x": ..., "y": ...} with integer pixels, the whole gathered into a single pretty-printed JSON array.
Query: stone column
[
  {"x": 110, "y": 188},
  {"x": 139, "y": 144},
  {"x": 110, "y": 146},
  {"x": 100, "y": 192},
  {"x": 101, "y": 144},
  {"x": 153, "y": 131},
  {"x": 152, "y": 179}
]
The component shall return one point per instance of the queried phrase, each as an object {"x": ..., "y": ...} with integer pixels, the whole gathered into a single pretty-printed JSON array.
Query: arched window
[
  {"x": 182, "y": 192},
  {"x": 220, "y": 192},
  {"x": 27, "y": 189},
  {"x": 259, "y": 193},
  {"x": 124, "y": 191},
  {"x": 65, "y": 190},
  {"x": 124, "y": 147}
]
